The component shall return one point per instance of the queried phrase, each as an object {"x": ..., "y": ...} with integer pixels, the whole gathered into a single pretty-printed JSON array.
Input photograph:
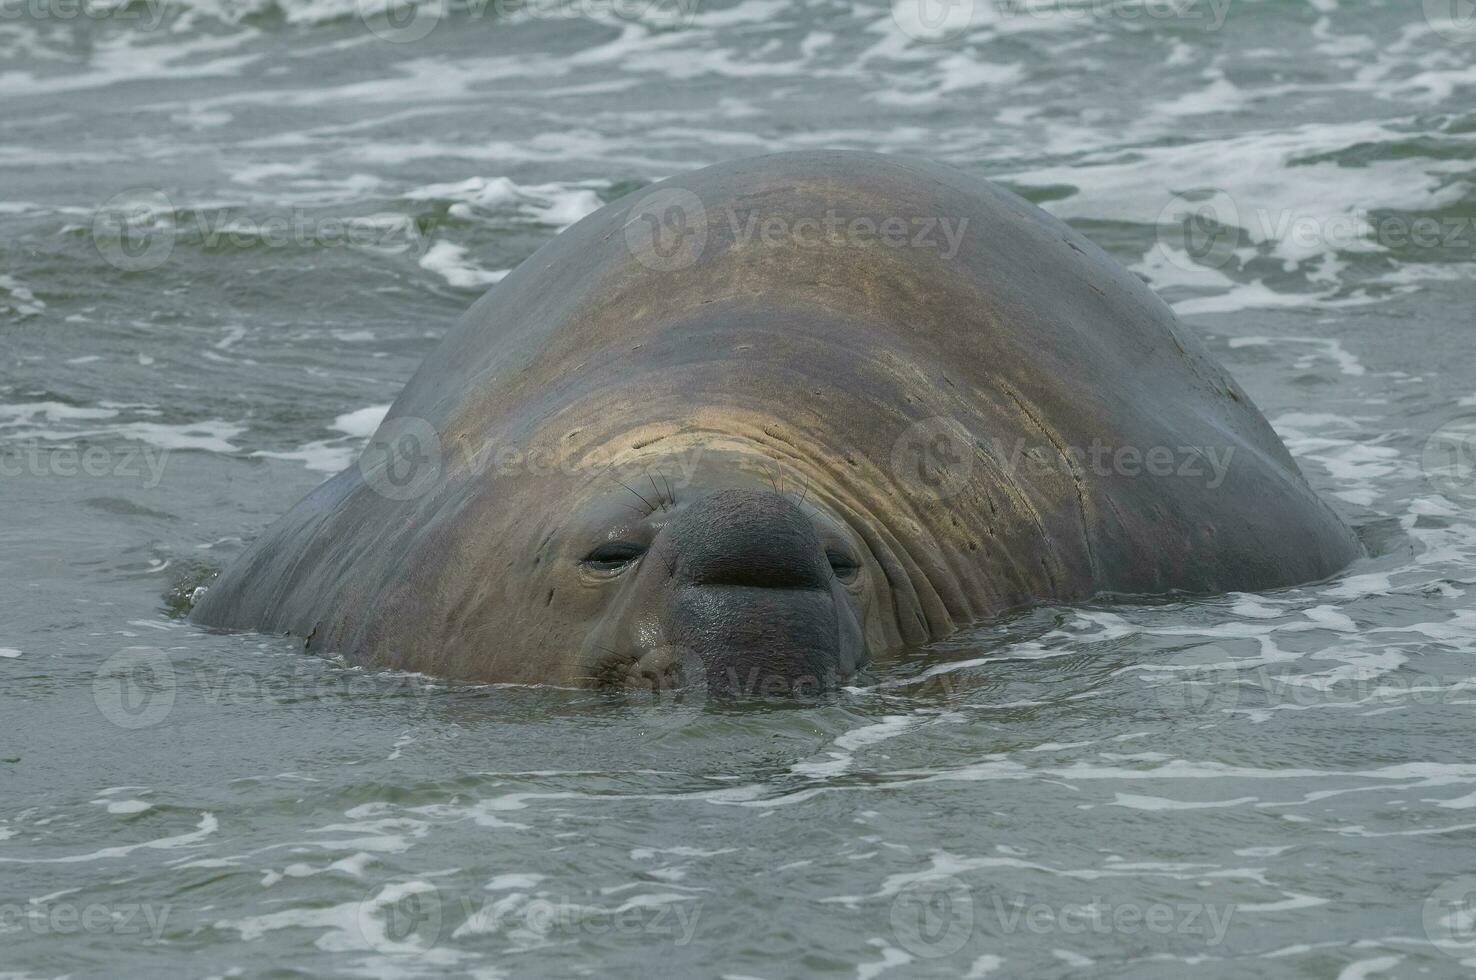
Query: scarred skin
[{"x": 806, "y": 433}]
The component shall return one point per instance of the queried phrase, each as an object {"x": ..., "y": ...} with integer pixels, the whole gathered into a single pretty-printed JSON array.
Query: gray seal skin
[{"x": 765, "y": 421}]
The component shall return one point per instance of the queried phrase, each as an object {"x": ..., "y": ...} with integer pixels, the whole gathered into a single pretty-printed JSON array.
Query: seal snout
[
  {"x": 749, "y": 538},
  {"x": 753, "y": 594}
]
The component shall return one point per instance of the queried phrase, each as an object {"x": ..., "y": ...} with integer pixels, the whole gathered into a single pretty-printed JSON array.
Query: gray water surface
[{"x": 1278, "y": 784}]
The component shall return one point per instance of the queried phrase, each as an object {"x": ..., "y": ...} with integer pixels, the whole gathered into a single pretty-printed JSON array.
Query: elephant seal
[{"x": 764, "y": 421}]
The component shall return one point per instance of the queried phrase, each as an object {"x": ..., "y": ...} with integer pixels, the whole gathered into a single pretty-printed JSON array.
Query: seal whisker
[
  {"x": 660, "y": 501},
  {"x": 650, "y": 510}
]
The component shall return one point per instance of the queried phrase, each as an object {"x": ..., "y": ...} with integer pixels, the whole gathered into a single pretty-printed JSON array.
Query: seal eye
[
  {"x": 613, "y": 556},
  {"x": 843, "y": 565}
]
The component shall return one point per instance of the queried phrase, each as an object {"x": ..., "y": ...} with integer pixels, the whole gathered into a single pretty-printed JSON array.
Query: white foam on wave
[
  {"x": 211, "y": 435},
  {"x": 955, "y": 73},
  {"x": 52, "y": 421},
  {"x": 207, "y": 826},
  {"x": 555, "y": 205},
  {"x": 983, "y": 966},
  {"x": 842, "y": 755},
  {"x": 1330, "y": 348},
  {"x": 11, "y": 415},
  {"x": 1290, "y": 201},
  {"x": 128, "y": 57},
  {"x": 362, "y": 422},
  {"x": 1155, "y": 803},
  {"x": 360, "y": 927},
  {"x": 1220, "y": 95},
  {"x": 449, "y": 261},
  {"x": 18, "y": 298},
  {"x": 1363, "y": 969}
]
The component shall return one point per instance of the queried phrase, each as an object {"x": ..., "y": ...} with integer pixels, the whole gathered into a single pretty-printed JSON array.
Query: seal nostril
[
  {"x": 751, "y": 538},
  {"x": 778, "y": 572}
]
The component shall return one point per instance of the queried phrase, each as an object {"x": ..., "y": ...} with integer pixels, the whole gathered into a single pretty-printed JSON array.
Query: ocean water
[{"x": 229, "y": 230}]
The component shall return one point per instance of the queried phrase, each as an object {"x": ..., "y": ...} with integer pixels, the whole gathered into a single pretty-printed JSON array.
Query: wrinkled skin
[{"x": 646, "y": 472}]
